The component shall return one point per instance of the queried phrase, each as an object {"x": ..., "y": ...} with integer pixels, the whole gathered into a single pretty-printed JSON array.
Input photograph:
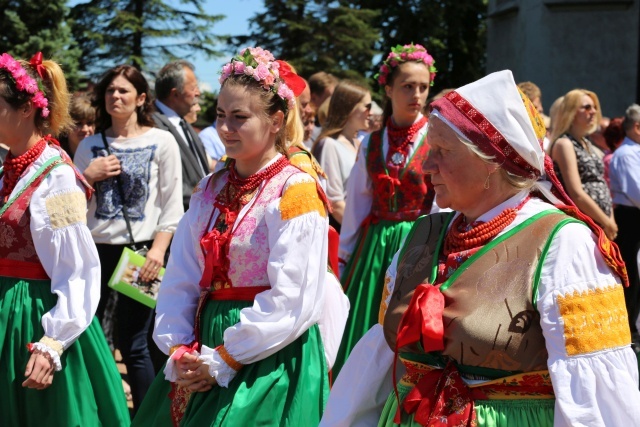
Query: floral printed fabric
[
  {"x": 136, "y": 173},
  {"x": 591, "y": 171}
]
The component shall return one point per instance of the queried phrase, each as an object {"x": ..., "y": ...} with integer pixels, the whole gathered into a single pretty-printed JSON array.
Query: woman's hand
[
  {"x": 154, "y": 261},
  {"x": 102, "y": 168},
  {"x": 611, "y": 229},
  {"x": 40, "y": 370},
  {"x": 194, "y": 374}
]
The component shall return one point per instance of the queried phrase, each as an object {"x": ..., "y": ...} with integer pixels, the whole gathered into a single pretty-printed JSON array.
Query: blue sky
[{"x": 237, "y": 14}]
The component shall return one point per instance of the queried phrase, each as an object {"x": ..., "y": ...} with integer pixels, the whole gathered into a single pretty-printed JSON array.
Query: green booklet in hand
[{"x": 125, "y": 279}]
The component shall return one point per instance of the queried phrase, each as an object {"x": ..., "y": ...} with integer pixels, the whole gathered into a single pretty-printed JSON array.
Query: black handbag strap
[{"x": 121, "y": 189}]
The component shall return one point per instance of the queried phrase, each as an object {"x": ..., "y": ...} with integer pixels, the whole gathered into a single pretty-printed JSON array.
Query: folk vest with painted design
[
  {"x": 401, "y": 198},
  {"x": 489, "y": 318}
]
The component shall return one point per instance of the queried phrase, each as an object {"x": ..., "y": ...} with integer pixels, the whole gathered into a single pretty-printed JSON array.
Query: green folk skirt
[
  {"x": 363, "y": 278},
  {"x": 489, "y": 413},
  {"x": 87, "y": 392},
  {"x": 288, "y": 388}
]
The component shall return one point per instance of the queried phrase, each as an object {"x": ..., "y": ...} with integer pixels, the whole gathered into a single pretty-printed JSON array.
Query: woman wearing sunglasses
[
  {"x": 576, "y": 161},
  {"x": 337, "y": 145}
]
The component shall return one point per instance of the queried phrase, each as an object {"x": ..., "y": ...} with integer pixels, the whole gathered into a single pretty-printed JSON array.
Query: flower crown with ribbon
[
  {"x": 402, "y": 54},
  {"x": 26, "y": 83},
  {"x": 276, "y": 76}
]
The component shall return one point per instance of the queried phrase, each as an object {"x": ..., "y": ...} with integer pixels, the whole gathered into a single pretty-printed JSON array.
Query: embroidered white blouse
[
  {"x": 278, "y": 316},
  {"x": 65, "y": 249},
  {"x": 153, "y": 171},
  {"x": 593, "y": 389}
]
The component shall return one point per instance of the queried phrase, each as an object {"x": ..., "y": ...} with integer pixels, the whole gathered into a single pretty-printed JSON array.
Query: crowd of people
[{"x": 455, "y": 259}]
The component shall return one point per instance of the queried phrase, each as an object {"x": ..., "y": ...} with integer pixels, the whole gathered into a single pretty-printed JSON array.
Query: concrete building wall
[{"x": 565, "y": 44}]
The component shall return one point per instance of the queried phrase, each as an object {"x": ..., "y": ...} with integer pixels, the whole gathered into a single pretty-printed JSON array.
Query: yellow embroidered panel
[
  {"x": 299, "y": 199},
  {"x": 303, "y": 162},
  {"x": 66, "y": 209},
  {"x": 383, "y": 303},
  {"x": 594, "y": 320}
]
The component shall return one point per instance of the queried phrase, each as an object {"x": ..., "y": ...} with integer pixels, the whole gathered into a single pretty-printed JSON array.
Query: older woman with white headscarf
[{"x": 507, "y": 312}]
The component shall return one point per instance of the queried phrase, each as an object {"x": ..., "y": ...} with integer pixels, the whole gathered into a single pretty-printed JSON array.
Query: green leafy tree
[
  {"x": 30, "y": 26},
  {"x": 453, "y": 31},
  {"x": 144, "y": 33},
  {"x": 208, "y": 103},
  {"x": 319, "y": 35}
]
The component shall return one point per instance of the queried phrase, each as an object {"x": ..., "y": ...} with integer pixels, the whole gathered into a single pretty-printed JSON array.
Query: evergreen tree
[
  {"x": 30, "y": 26},
  {"x": 319, "y": 35},
  {"x": 453, "y": 31},
  {"x": 144, "y": 33}
]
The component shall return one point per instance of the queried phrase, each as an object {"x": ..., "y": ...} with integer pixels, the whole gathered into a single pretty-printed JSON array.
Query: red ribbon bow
[
  {"x": 440, "y": 399},
  {"x": 390, "y": 182},
  {"x": 294, "y": 81},
  {"x": 423, "y": 320},
  {"x": 36, "y": 62}
]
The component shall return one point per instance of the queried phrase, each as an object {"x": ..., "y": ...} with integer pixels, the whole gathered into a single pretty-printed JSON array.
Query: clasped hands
[
  {"x": 40, "y": 370},
  {"x": 193, "y": 373}
]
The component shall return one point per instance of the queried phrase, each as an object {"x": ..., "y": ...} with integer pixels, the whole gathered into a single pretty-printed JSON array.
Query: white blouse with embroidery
[
  {"x": 296, "y": 270},
  {"x": 153, "y": 171},
  {"x": 65, "y": 249},
  {"x": 594, "y": 389}
]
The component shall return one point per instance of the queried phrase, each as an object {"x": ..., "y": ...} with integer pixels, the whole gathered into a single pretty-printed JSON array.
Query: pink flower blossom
[
  {"x": 249, "y": 70},
  {"x": 238, "y": 67},
  {"x": 269, "y": 80},
  {"x": 261, "y": 73}
]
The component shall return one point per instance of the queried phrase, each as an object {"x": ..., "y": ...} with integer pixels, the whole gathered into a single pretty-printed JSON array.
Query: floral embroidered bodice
[
  {"x": 400, "y": 195},
  {"x": 249, "y": 247}
]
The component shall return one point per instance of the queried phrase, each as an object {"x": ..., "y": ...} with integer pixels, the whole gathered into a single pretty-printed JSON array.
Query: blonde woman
[
  {"x": 55, "y": 366},
  {"x": 579, "y": 168}
]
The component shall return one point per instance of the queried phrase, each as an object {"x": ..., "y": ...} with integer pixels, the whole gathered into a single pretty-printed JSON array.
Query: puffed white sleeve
[
  {"x": 358, "y": 204},
  {"x": 584, "y": 321},
  {"x": 68, "y": 255},
  {"x": 366, "y": 379},
  {"x": 297, "y": 225},
  {"x": 169, "y": 178},
  {"x": 180, "y": 289}
]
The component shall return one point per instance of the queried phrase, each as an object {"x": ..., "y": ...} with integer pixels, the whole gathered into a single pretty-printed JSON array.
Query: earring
[{"x": 486, "y": 182}]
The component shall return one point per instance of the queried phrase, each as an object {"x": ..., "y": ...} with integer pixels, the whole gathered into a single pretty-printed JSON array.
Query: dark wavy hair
[{"x": 135, "y": 77}]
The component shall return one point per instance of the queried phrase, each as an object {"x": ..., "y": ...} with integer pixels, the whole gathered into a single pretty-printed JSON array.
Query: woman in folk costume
[
  {"x": 55, "y": 365},
  {"x": 509, "y": 311},
  {"x": 336, "y": 304},
  {"x": 239, "y": 305},
  {"x": 387, "y": 189}
]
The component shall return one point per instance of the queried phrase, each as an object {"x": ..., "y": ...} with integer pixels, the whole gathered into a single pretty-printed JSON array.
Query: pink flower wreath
[
  {"x": 276, "y": 76},
  {"x": 402, "y": 54},
  {"x": 24, "y": 82}
]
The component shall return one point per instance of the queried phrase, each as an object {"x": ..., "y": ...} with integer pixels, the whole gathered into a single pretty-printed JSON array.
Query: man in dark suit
[{"x": 176, "y": 92}]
